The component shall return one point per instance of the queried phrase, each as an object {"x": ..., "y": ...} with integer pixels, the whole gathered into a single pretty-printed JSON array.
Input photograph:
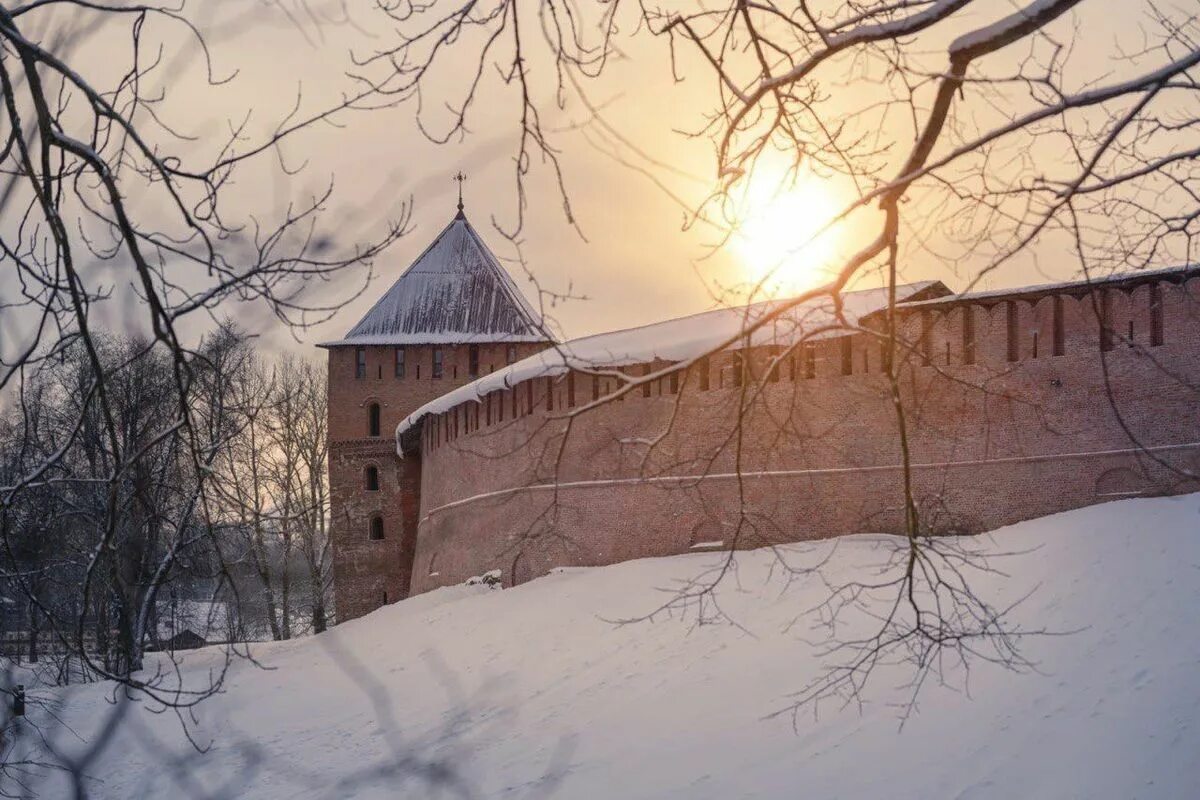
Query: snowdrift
[{"x": 534, "y": 692}]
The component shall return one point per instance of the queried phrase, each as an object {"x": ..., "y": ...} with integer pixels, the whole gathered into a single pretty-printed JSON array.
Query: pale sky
[{"x": 636, "y": 266}]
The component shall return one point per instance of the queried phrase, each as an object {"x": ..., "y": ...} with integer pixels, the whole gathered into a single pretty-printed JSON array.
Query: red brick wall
[
  {"x": 398, "y": 397},
  {"x": 366, "y": 571},
  {"x": 993, "y": 442}
]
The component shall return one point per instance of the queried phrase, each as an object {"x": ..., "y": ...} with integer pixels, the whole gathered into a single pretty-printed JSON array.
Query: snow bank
[
  {"x": 507, "y": 686},
  {"x": 672, "y": 340}
]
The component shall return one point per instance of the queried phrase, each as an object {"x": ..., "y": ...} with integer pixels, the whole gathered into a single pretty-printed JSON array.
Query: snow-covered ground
[{"x": 532, "y": 692}]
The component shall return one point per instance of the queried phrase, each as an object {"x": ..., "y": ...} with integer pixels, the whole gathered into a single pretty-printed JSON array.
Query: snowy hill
[{"x": 530, "y": 692}]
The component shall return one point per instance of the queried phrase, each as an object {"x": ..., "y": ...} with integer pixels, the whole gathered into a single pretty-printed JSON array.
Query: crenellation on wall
[{"x": 928, "y": 339}]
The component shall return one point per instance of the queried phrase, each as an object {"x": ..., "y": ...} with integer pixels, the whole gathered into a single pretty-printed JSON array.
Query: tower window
[
  {"x": 810, "y": 361},
  {"x": 399, "y": 362},
  {"x": 360, "y": 363},
  {"x": 437, "y": 363},
  {"x": 847, "y": 355},
  {"x": 372, "y": 479},
  {"x": 510, "y": 354},
  {"x": 473, "y": 360},
  {"x": 373, "y": 419},
  {"x": 702, "y": 365},
  {"x": 376, "y": 530}
]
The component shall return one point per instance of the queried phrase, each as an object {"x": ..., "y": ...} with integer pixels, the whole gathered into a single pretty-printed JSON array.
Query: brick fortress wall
[
  {"x": 1016, "y": 408},
  {"x": 370, "y": 572}
]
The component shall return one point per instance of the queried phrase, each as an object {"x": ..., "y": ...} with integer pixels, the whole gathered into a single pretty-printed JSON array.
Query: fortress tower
[{"x": 452, "y": 316}]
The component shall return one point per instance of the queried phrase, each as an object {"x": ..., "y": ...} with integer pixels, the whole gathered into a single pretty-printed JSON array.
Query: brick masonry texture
[
  {"x": 368, "y": 573},
  {"x": 514, "y": 483}
]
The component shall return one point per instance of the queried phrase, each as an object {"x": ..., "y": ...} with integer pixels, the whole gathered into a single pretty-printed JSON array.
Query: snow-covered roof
[
  {"x": 676, "y": 340},
  {"x": 455, "y": 292},
  {"x": 208, "y": 618}
]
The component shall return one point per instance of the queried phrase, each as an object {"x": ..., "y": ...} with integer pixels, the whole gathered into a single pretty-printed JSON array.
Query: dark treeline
[{"x": 127, "y": 530}]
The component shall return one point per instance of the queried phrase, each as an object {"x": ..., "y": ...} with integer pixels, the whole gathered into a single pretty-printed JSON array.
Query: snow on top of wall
[
  {"x": 455, "y": 292},
  {"x": 1183, "y": 272},
  {"x": 671, "y": 340}
]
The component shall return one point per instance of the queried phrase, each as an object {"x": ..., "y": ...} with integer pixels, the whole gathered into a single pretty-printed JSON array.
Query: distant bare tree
[
  {"x": 302, "y": 427},
  {"x": 112, "y": 207},
  {"x": 271, "y": 488}
]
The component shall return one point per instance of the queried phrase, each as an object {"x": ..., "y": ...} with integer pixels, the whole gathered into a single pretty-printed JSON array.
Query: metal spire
[{"x": 460, "y": 178}]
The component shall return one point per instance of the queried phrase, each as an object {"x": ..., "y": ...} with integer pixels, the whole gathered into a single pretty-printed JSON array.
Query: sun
[{"x": 778, "y": 235}]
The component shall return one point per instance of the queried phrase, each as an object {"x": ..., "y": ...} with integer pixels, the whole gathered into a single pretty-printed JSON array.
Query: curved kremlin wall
[{"x": 1020, "y": 432}]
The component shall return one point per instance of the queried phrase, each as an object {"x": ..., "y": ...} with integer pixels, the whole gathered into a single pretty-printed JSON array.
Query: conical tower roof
[{"x": 455, "y": 292}]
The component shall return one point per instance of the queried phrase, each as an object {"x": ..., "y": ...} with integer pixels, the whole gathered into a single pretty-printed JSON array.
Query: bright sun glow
[{"x": 777, "y": 235}]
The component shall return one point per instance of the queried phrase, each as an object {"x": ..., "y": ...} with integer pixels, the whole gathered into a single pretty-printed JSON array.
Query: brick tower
[{"x": 452, "y": 316}]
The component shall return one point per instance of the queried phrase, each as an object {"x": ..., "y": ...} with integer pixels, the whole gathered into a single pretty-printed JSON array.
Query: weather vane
[{"x": 460, "y": 178}]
